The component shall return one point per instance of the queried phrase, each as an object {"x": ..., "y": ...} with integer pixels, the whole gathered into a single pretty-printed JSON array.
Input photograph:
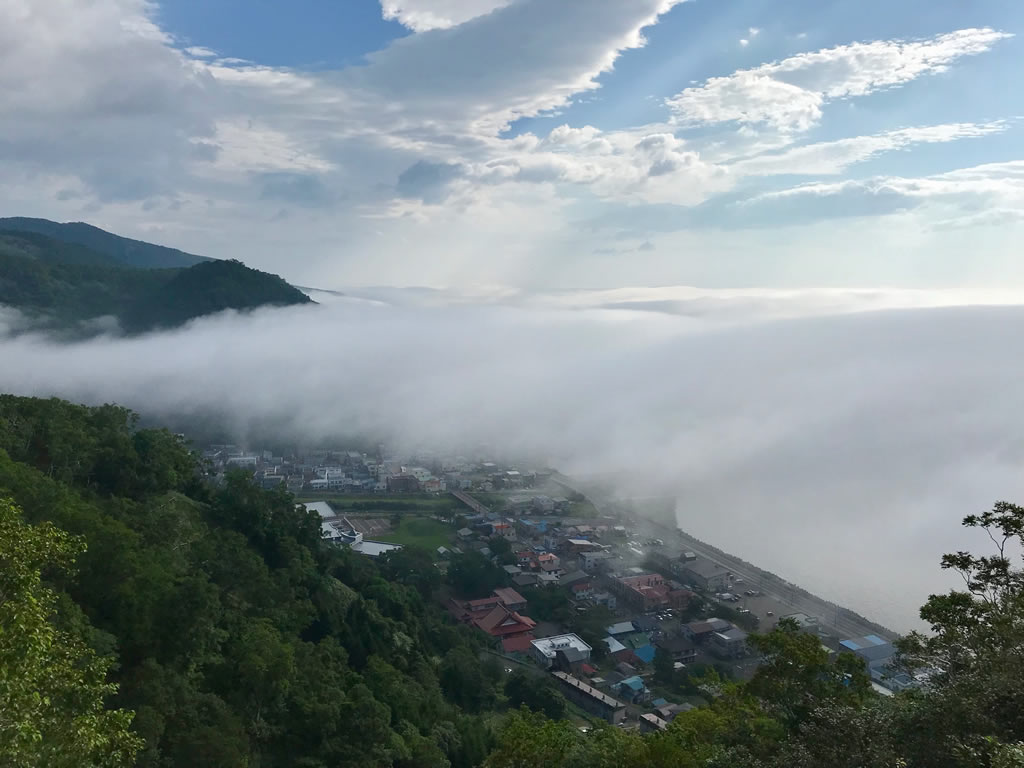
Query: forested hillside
[
  {"x": 232, "y": 635},
  {"x": 62, "y": 285},
  {"x": 119, "y": 250}
]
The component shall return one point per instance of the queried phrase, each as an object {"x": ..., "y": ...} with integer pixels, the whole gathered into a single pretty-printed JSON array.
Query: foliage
[
  {"x": 472, "y": 575},
  {"x": 240, "y": 637},
  {"x": 52, "y": 687},
  {"x": 548, "y": 603},
  {"x": 102, "y": 247},
  {"x": 65, "y": 286},
  {"x": 535, "y": 692}
]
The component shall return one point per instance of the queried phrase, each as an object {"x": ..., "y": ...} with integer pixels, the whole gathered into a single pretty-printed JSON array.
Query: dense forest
[
  {"x": 63, "y": 285},
  {"x": 150, "y": 617}
]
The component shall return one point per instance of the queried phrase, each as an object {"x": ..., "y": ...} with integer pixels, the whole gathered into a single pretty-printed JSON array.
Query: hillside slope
[
  {"x": 63, "y": 286},
  {"x": 123, "y": 250}
]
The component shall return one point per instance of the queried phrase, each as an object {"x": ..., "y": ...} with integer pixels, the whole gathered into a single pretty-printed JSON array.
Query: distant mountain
[
  {"x": 63, "y": 286},
  {"x": 123, "y": 250}
]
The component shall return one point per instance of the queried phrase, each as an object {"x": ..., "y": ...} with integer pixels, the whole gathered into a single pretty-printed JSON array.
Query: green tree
[
  {"x": 664, "y": 666},
  {"x": 52, "y": 688},
  {"x": 472, "y": 575},
  {"x": 535, "y": 692}
]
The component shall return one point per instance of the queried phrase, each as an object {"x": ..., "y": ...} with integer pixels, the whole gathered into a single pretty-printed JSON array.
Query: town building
[
  {"x": 571, "y": 646},
  {"x": 876, "y": 651},
  {"x": 650, "y": 722},
  {"x": 595, "y": 561},
  {"x": 706, "y": 575},
  {"x": 700, "y": 631},
  {"x": 681, "y": 649},
  {"x": 590, "y": 699},
  {"x": 510, "y": 598},
  {"x": 729, "y": 644}
]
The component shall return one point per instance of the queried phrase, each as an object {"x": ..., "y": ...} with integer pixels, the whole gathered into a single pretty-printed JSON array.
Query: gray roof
[{"x": 705, "y": 568}]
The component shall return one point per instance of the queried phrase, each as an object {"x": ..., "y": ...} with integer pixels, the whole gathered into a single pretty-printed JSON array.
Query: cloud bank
[{"x": 836, "y": 446}]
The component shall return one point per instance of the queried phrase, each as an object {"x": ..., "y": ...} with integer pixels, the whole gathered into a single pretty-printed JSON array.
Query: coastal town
[{"x": 623, "y": 611}]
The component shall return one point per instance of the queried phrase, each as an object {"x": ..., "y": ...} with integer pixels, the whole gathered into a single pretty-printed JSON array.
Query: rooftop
[
  {"x": 509, "y": 596},
  {"x": 590, "y": 691},
  {"x": 705, "y": 568},
  {"x": 549, "y": 645},
  {"x": 622, "y": 628}
]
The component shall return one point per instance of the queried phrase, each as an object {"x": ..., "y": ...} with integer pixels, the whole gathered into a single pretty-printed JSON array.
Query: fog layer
[{"x": 836, "y": 447}]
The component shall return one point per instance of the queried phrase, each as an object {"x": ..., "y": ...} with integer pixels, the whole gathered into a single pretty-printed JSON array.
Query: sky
[
  {"x": 527, "y": 144},
  {"x": 761, "y": 257}
]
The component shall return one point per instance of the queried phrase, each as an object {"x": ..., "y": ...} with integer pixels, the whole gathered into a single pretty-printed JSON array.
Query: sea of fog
[{"x": 835, "y": 438}]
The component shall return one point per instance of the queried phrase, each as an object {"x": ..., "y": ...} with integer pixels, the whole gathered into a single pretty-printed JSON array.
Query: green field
[{"x": 421, "y": 532}]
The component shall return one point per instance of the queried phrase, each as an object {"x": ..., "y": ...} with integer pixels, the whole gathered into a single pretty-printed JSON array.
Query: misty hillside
[
  {"x": 61, "y": 286},
  {"x": 113, "y": 248}
]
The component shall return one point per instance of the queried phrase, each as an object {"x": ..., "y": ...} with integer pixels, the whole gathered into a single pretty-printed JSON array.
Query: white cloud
[
  {"x": 822, "y": 425},
  {"x": 744, "y": 42},
  {"x": 422, "y": 15},
  {"x": 788, "y": 94},
  {"x": 833, "y": 157},
  {"x": 753, "y": 32}
]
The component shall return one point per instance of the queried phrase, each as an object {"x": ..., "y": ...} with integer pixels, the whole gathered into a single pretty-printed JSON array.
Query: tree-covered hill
[
  {"x": 151, "y": 617},
  {"x": 63, "y": 285},
  {"x": 120, "y": 250}
]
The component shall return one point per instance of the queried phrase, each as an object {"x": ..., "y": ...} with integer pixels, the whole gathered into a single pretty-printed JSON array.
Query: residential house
[
  {"x": 700, "y": 631},
  {"x": 633, "y": 689},
  {"x": 465, "y": 533},
  {"x": 706, "y": 575},
  {"x": 622, "y": 628},
  {"x": 573, "y": 577},
  {"x": 582, "y": 590},
  {"x": 575, "y": 546},
  {"x": 606, "y": 599},
  {"x": 595, "y": 561},
  {"x": 506, "y": 530},
  {"x": 510, "y": 598},
  {"x": 525, "y": 579},
  {"x": 729, "y": 644},
  {"x": 549, "y": 563},
  {"x": 590, "y": 699},
  {"x": 645, "y": 592},
  {"x": 681, "y": 649},
  {"x": 572, "y": 648}
]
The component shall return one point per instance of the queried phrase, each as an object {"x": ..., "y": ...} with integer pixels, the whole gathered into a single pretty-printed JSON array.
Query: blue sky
[{"x": 524, "y": 144}]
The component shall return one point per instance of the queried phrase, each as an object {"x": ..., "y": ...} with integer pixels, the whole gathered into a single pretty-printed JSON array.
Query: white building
[{"x": 545, "y": 649}]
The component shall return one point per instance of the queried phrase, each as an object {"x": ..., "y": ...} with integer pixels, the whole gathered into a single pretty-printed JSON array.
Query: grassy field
[{"x": 420, "y": 531}]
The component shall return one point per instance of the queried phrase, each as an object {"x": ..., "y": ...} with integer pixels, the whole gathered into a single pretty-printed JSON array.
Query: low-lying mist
[{"x": 835, "y": 446}]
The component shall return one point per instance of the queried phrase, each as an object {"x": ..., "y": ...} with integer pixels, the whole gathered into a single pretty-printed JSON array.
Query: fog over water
[{"x": 833, "y": 437}]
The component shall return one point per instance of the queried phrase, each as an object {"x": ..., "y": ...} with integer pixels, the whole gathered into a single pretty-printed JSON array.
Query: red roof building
[{"x": 501, "y": 622}]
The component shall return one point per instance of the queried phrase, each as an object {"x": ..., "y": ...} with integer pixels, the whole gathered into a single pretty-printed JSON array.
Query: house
[
  {"x": 622, "y": 628},
  {"x": 645, "y": 591},
  {"x": 633, "y": 689},
  {"x": 706, "y": 575},
  {"x": 575, "y": 546},
  {"x": 505, "y": 530},
  {"x": 525, "y": 579},
  {"x": 699, "y": 631},
  {"x": 650, "y": 722},
  {"x": 403, "y": 484},
  {"x": 512, "y": 570},
  {"x": 595, "y": 561},
  {"x": 547, "y": 579},
  {"x": 680, "y": 648},
  {"x": 517, "y": 644},
  {"x": 549, "y": 563},
  {"x": 510, "y": 598},
  {"x": 572, "y": 577},
  {"x": 606, "y": 599},
  {"x": 500, "y": 622},
  {"x": 582, "y": 590},
  {"x": 729, "y": 644},
  {"x": 590, "y": 699},
  {"x": 570, "y": 646},
  {"x": 465, "y": 533}
]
